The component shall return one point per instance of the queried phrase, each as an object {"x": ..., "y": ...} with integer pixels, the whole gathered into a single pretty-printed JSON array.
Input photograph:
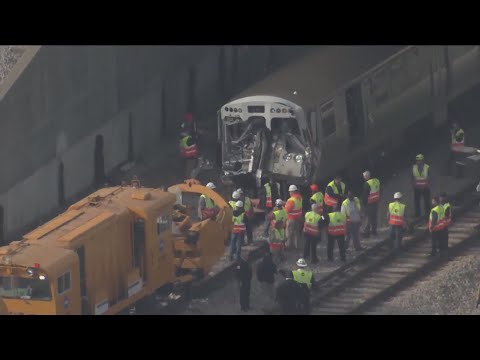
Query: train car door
[{"x": 355, "y": 115}]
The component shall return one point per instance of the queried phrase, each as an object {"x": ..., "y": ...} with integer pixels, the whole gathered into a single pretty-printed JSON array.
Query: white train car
[{"x": 337, "y": 106}]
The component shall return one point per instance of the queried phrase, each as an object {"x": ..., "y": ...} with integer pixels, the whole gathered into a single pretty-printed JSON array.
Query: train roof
[
  {"x": 51, "y": 259},
  {"x": 316, "y": 76},
  {"x": 98, "y": 210}
]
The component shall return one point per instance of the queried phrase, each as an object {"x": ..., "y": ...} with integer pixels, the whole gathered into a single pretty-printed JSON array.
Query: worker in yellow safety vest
[
  {"x": 207, "y": 208},
  {"x": 336, "y": 223},
  {"x": 235, "y": 198},
  {"x": 247, "y": 203},
  {"x": 294, "y": 211},
  {"x": 436, "y": 224},
  {"x": 352, "y": 209},
  {"x": 302, "y": 275},
  {"x": 238, "y": 231},
  {"x": 188, "y": 150},
  {"x": 311, "y": 233},
  {"x": 421, "y": 184},
  {"x": 371, "y": 198},
  {"x": 270, "y": 192},
  {"x": 447, "y": 221},
  {"x": 317, "y": 198},
  {"x": 277, "y": 234},
  {"x": 457, "y": 145},
  {"x": 396, "y": 220},
  {"x": 334, "y": 194}
]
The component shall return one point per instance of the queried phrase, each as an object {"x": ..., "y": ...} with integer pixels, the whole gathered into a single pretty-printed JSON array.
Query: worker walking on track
[
  {"x": 396, "y": 220},
  {"x": 292, "y": 296},
  {"x": 351, "y": 208},
  {"x": 421, "y": 185},
  {"x": 334, "y": 194},
  {"x": 277, "y": 235},
  {"x": 336, "y": 229},
  {"x": 436, "y": 224},
  {"x": 206, "y": 206},
  {"x": 443, "y": 245},
  {"x": 371, "y": 198},
  {"x": 188, "y": 150},
  {"x": 305, "y": 278},
  {"x": 457, "y": 144},
  {"x": 311, "y": 233},
  {"x": 247, "y": 203},
  {"x": 238, "y": 231},
  {"x": 294, "y": 211},
  {"x": 243, "y": 273},
  {"x": 269, "y": 192}
]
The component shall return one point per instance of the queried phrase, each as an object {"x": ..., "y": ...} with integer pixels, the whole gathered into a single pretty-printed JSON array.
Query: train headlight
[
  {"x": 239, "y": 110},
  {"x": 235, "y": 110},
  {"x": 288, "y": 157},
  {"x": 299, "y": 158},
  {"x": 230, "y": 109},
  {"x": 284, "y": 110},
  {"x": 42, "y": 277},
  {"x": 226, "y": 108},
  {"x": 278, "y": 110},
  {"x": 272, "y": 110}
]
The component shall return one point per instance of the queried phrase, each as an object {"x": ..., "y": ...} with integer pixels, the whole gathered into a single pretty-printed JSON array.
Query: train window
[
  {"x": 64, "y": 283},
  {"x": 15, "y": 287},
  {"x": 328, "y": 124},
  {"x": 285, "y": 125}
]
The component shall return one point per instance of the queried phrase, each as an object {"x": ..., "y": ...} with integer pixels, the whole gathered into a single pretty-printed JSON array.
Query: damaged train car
[{"x": 334, "y": 109}]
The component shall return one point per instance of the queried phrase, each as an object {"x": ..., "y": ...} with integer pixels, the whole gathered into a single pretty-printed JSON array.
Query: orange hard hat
[
  {"x": 314, "y": 187},
  {"x": 188, "y": 117}
]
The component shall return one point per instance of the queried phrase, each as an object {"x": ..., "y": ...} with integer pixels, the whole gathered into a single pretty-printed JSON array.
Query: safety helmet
[
  {"x": 366, "y": 174},
  {"x": 419, "y": 157},
  {"x": 188, "y": 117},
  {"x": 397, "y": 195},
  {"x": 211, "y": 186},
  {"x": 302, "y": 263},
  {"x": 279, "y": 202},
  {"x": 239, "y": 204},
  {"x": 235, "y": 195},
  {"x": 314, "y": 187},
  {"x": 292, "y": 188},
  {"x": 240, "y": 191}
]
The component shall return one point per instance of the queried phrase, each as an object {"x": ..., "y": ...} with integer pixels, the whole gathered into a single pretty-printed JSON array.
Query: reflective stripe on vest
[
  {"x": 397, "y": 213},
  {"x": 337, "y": 224},
  {"x": 440, "y": 216},
  {"x": 310, "y": 227},
  {"x": 330, "y": 201},
  {"x": 209, "y": 209},
  {"x": 303, "y": 277},
  {"x": 318, "y": 198},
  {"x": 188, "y": 151},
  {"x": 420, "y": 178},
  {"x": 279, "y": 234},
  {"x": 296, "y": 212},
  {"x": 346, "y": 203},
  {"x": 447, "y": 220},
  {"x": 238, "y": 224},
  {"x": 268, "y": 197},
  {"x": 374, "y": 195},
  {"x": 232, "y": 204},
  {"x": 456, "y": 145}
]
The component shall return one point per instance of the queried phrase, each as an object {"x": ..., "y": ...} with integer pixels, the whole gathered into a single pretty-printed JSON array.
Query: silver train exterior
[{"x": 339, "y": 105}]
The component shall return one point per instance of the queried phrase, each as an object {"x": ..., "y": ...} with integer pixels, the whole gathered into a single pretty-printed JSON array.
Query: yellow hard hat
[{"x": 419, "y": 157}]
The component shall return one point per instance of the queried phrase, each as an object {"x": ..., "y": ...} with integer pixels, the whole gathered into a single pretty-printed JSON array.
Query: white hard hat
[
  {"x": 301, "y": 263},
  {"x": 240, "y": 191},
  {"x": 239, "y": 204},
  {"x": 211, "y": 186},
  {"x": 279, "y": 202},
  {"x": 366, "y": 174},
  {"x": 235, "y": 195},
  {"x": 292, "y": 188},
  {"x": 397, "y": 195}
]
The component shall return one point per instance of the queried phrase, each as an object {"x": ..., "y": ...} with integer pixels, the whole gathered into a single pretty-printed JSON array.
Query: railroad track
[{"x": 382, "y": 272}]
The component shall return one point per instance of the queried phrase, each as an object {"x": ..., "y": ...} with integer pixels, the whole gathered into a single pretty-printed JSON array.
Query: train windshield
[{"x": 16, "y": 287}]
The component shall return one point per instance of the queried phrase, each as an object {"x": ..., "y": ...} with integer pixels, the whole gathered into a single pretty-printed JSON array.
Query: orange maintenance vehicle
[{"x": 113, "y": 249}]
